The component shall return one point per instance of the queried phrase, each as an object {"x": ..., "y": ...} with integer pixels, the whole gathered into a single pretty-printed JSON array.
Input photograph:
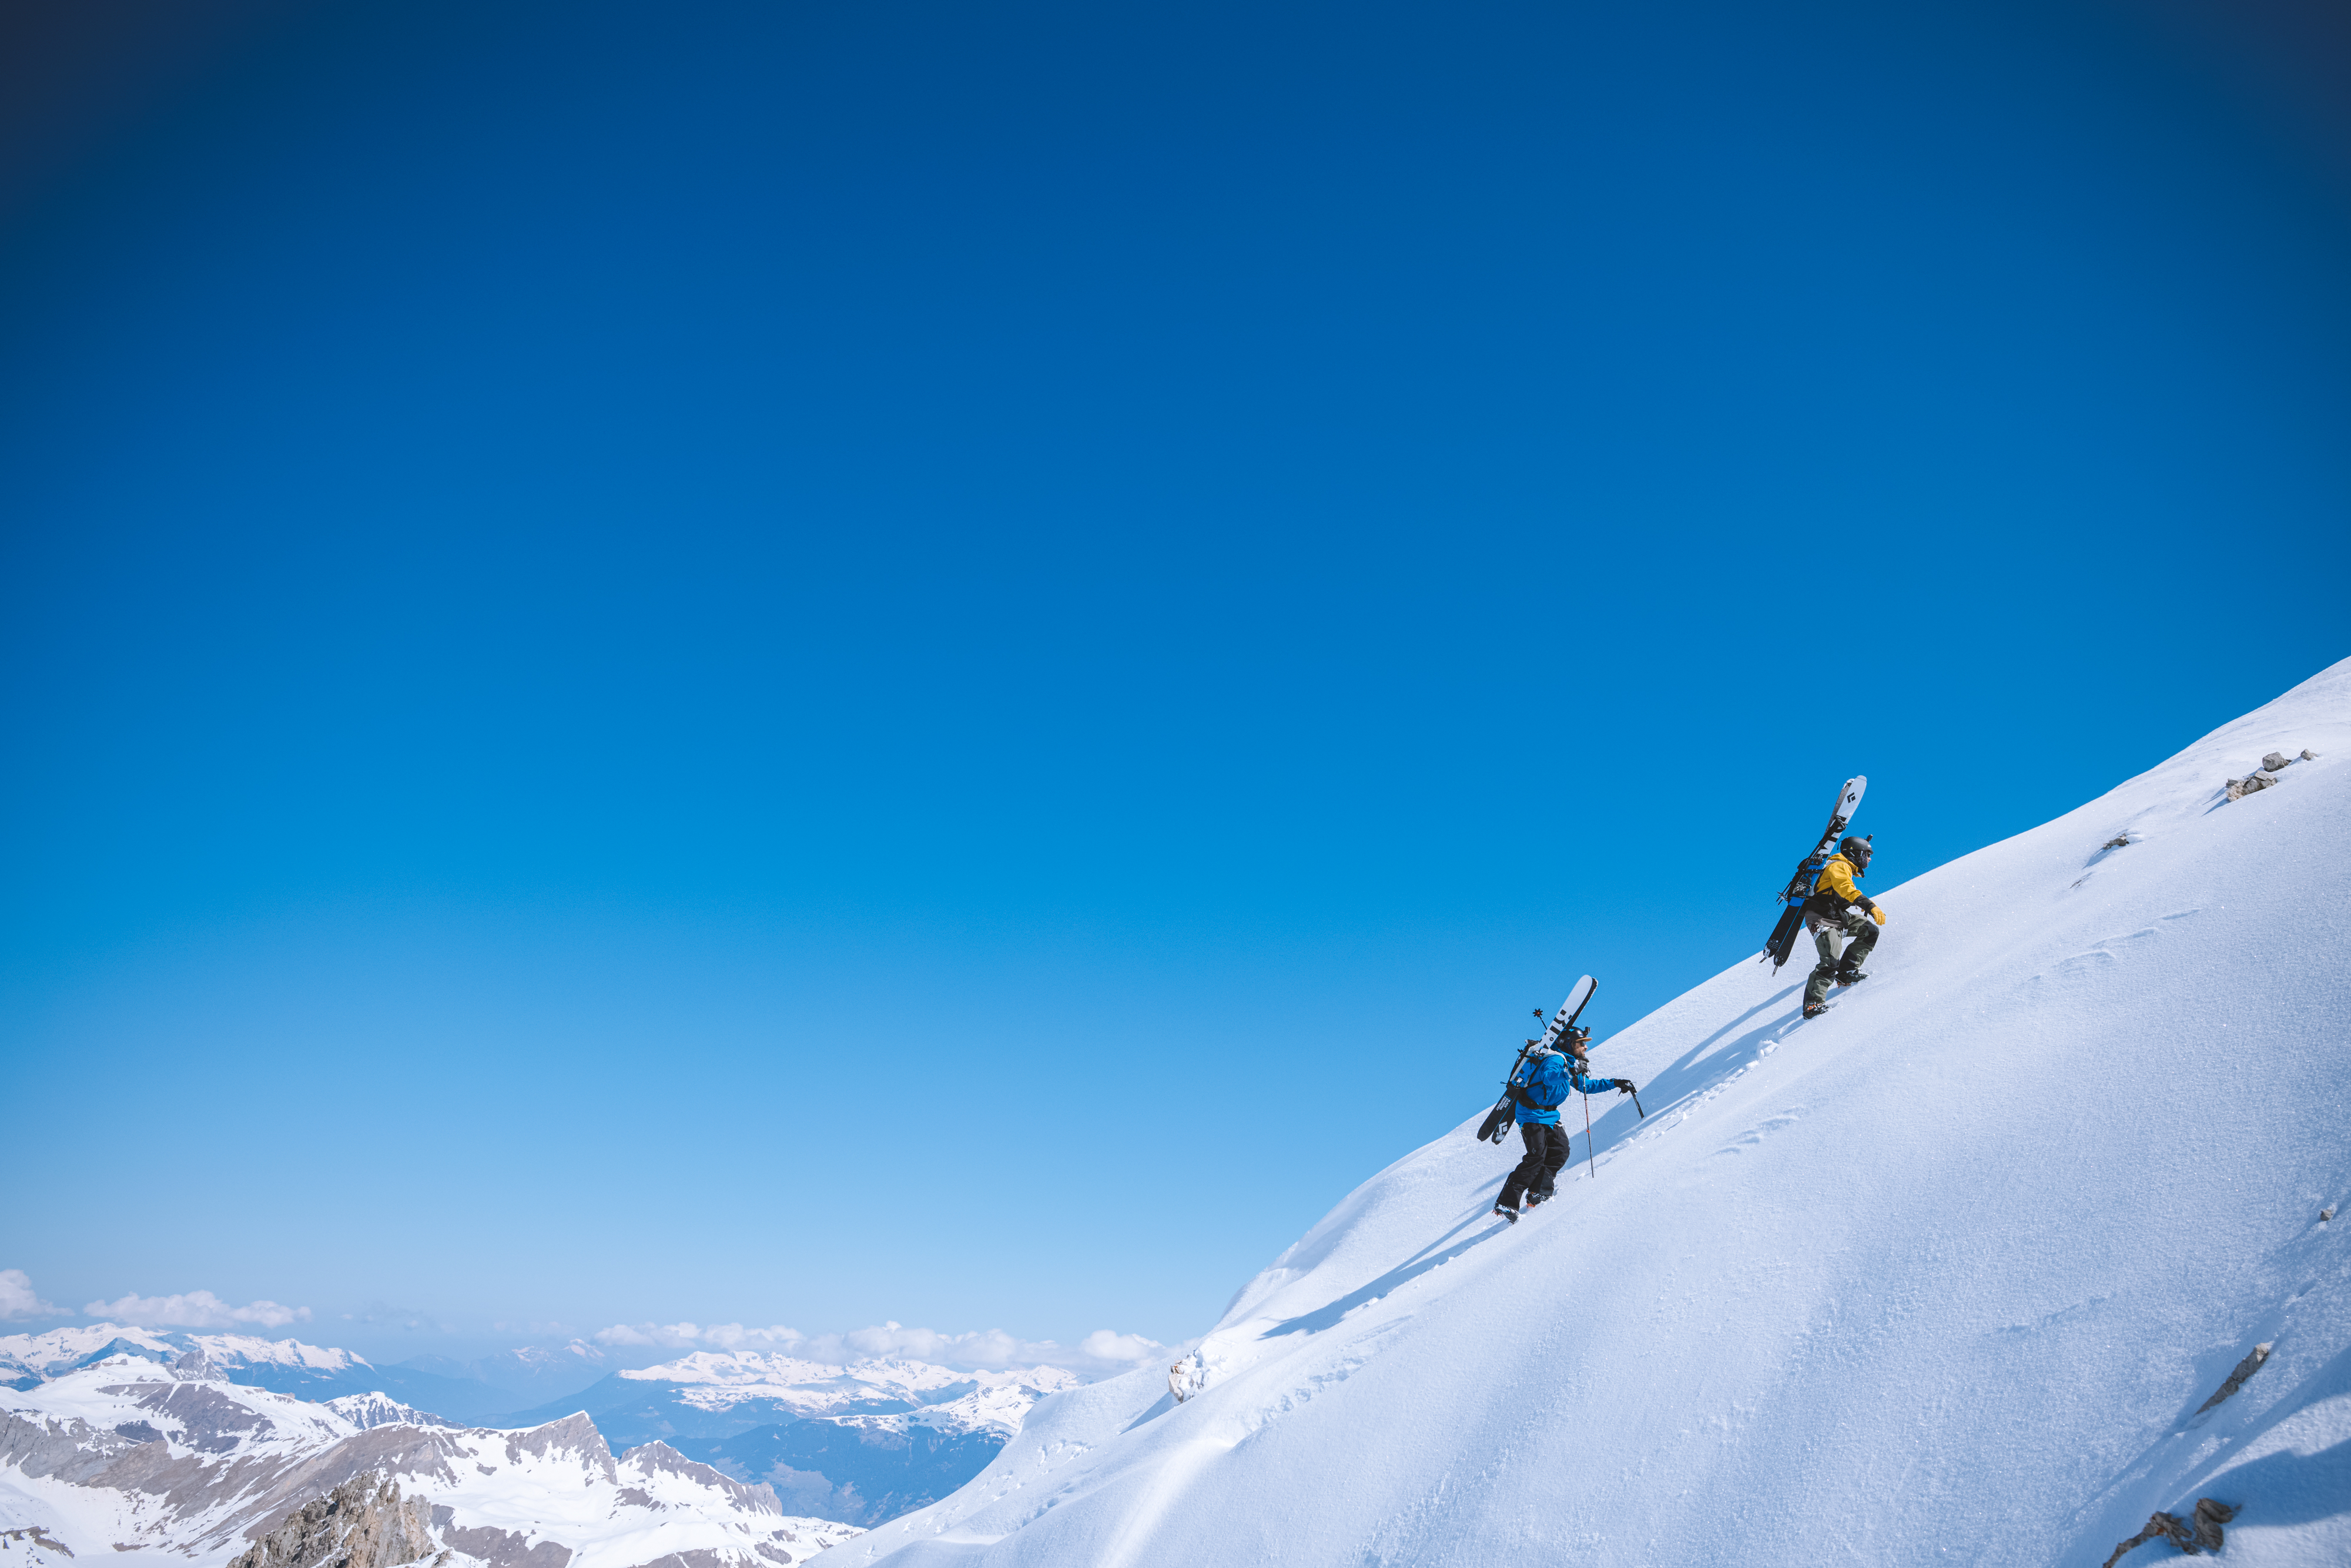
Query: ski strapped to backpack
[
  {"x": 1505, "y": 1115},
  {"x": 1800, "y": 886}
]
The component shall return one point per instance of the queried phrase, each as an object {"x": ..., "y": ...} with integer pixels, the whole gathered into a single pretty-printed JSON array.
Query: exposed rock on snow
[
  {"x": 36, "y": 1536},
  {"x": 2202, "y": 1533},
  {"x": 363, "y": 1523},
  {"x": 366, "y": 1410},
  {"x": 2262, "y": 777},
  {"x": 2245, "y": 1368}
]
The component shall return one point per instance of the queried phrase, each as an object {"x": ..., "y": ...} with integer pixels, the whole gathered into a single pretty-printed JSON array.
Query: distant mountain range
[
  {"x": 861, "y": 1443},
  {"x": 128, "y": 1455},
  {"x": 474, "y": 1392},
  {"x": 858, "y": 1444}
]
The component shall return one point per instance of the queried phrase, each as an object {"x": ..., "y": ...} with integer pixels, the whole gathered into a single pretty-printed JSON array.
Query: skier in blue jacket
[{"x": 1539, "y": 1087}]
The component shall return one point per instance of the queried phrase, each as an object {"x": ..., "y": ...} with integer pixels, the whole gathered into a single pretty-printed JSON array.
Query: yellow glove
[{"x": 1877, "y": 913}]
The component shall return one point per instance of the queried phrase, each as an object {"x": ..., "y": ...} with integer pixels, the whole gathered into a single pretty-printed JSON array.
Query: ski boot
[
  {"x": 1535, "y": 1200},
  {"x": 1510, "y": 1214},
  {"x": 1814, "y": 1009},
  {"x": 1847, "y": 975}
]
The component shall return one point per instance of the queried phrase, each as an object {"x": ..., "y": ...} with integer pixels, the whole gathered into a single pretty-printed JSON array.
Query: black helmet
[{"x": 1857, "y": 851}]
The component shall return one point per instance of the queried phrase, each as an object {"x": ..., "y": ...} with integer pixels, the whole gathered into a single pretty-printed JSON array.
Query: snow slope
[{"x": 1944, "y": 1275}]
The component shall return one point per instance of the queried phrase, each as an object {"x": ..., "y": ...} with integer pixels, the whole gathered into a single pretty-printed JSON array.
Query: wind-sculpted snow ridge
[
  {"x": 125, "y": 1457},
  {"x": 1944, "y": 1275}
]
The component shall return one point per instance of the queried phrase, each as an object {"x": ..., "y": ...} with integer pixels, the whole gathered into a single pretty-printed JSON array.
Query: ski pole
[
  {"x": 1637, "y": 1104},
  {"x": 1588, "y": 1153}
]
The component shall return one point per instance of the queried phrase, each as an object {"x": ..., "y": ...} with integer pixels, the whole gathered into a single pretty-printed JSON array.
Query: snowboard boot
[
  {"x": 1535, "y": 1200},
  {"x": 1847, "y": 975},
  {"x": 1510, "y": 1214},
  {"x": 1814, "y": 1009}
]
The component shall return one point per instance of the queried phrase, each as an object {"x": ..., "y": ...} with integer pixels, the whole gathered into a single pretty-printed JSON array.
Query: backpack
[{"x": 1521, "y": 1095}]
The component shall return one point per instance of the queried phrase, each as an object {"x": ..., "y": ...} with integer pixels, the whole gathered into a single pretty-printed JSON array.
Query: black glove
[{"x": 1623, "y": 1085}]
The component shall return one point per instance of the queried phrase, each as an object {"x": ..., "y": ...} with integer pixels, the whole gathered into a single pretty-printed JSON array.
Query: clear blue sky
[{"x": 816, "y": 663}]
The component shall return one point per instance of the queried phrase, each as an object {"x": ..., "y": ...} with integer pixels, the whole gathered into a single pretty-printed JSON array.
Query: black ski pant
[
  {"x": 1843, "y": 939},
  {"x": 1546, "y": 1154}
]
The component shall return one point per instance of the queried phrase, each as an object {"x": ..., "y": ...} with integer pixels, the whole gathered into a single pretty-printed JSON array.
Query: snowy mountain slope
[
  {"x": 178, "y": 1463},
  {"x": 1945, "y": 1275}
]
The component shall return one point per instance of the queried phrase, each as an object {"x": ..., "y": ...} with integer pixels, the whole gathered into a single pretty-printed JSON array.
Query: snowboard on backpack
[
  {"x": 1504, "y": 1115},
  {"x": 1800, "y": 886}
]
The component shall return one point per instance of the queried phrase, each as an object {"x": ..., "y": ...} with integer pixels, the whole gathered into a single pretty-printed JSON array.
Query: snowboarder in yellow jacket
[{"x": 1840, "y": 916}]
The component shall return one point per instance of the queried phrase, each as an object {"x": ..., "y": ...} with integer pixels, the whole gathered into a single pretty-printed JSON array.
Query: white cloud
[
  {"x": 1126, "y": 1348},
  {"x": 196, "y": 1310},
  {"x": 17, "y": 1297},
  {"x": 1100, "y": 1352},
  {"x": 691, "y": 1336}
]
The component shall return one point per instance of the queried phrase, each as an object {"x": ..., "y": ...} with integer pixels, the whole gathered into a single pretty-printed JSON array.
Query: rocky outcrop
[
  {"x": 38, "y": 1534},
  {"x": 366, "y": 1411},
  {"x": 2262, "y": 777},
  {"x": 2236, "y": 1380},
  {"x": 363, "y": 1523},
  {"x": 73, "y": 1451},
  {"x": 2200, "y": 1533}
]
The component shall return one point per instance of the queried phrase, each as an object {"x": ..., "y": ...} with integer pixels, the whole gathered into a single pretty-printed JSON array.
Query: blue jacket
[{"x": 1546, "y": 1079}]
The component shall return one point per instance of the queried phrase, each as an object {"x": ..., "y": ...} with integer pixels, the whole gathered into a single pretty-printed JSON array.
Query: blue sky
[{"x": 813, "y": 664}]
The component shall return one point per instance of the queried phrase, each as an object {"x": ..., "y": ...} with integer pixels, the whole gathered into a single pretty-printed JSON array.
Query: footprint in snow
[
  {"x": 1756, "y": 1135},
  {"x": 2104, "y": 952}
]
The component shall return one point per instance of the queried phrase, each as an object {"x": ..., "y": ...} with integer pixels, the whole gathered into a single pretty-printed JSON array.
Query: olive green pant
[{"x": 1843, "y": 939}]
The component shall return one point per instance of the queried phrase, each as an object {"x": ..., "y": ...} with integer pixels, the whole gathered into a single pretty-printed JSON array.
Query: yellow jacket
[{"x": 1835, "y": 881}]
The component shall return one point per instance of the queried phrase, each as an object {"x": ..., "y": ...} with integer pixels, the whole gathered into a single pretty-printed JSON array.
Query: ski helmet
[{"x": 1857, "y": 851}]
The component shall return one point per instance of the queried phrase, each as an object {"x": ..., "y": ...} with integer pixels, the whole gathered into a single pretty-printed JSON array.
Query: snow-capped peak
[{"x": 367, "y": 1410}]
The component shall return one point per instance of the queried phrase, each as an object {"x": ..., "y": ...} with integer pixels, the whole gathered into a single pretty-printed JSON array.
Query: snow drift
[{"x": 1949, "y": 1274}]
